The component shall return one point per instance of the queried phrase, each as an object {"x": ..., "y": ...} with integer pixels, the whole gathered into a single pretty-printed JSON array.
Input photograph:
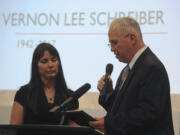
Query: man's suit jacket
[{"x": 142, "y": 106}]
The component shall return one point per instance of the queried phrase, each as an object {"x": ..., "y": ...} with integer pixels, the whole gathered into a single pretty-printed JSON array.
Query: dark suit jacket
[{"x": 142, "y": 106}]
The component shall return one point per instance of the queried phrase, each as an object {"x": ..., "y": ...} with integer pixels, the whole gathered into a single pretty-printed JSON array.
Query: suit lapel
[
  {"x": 127, "y": 81},
  {"x": 120, "y": 92}
]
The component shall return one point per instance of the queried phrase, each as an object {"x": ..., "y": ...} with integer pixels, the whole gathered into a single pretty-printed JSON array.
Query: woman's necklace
[
  {"x": 50, "y": 99},
  {"x": 50, "y": 94}
]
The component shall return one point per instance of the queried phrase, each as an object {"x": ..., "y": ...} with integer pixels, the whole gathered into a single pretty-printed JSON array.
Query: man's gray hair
[{"x": 127, "y": 24}]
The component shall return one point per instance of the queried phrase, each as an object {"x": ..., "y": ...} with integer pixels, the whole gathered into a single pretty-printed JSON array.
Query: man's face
[{"x": 120, "y": 44}]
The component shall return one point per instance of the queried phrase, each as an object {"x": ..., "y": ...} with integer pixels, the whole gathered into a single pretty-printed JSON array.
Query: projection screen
[{"x": 78, "y": 29}]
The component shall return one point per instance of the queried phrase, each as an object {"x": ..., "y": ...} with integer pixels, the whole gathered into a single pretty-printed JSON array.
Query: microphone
[
  {"x": 83, "y": 89},
  {"x": 77, "y": 94},
  {"x": 109, "y": 69}
]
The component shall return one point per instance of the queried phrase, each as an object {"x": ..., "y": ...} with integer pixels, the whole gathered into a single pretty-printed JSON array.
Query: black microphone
[
  {"x": 77, "y": 94},
  {"x": 83, "y": 89},
  {"x": 109, "y": 69}
]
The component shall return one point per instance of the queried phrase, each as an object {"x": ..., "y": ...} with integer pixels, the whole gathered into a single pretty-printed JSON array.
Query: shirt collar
[{"x": 136, "y": 56}]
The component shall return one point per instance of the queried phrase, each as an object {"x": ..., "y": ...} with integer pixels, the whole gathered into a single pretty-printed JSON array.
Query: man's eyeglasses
[{"x": 114, "y": 42}]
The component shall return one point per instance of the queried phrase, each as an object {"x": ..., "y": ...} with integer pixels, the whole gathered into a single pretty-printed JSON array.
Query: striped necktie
[{"x": 124, "y": 76}]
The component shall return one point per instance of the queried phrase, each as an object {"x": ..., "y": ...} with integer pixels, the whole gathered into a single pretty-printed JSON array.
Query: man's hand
[
  {"x": 101, "y": 83},
  {"x": 98, "y": 124}
]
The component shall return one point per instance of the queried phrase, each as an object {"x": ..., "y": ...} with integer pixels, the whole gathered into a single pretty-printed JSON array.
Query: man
[{"x": 140, "y": 103}]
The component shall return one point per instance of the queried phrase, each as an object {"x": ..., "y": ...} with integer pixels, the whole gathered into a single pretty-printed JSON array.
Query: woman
[{"x": 46, "y": 89}]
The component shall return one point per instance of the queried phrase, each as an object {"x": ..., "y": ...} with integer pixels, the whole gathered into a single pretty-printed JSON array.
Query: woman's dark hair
[
  {"x": 38, "y": 53},
  {"x": 35, "y": 85}
]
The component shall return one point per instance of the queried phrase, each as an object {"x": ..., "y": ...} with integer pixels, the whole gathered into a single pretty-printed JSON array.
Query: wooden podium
[{"x": 46, "y": 130}]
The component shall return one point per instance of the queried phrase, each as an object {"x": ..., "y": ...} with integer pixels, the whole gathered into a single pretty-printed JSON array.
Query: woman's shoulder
[
  {"x": 24, "y": 89},
  {"x": 22, "y": 93}
]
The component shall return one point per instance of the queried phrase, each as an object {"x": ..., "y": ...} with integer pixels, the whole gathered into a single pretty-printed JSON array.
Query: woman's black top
[{"x": 36, "y": 108}]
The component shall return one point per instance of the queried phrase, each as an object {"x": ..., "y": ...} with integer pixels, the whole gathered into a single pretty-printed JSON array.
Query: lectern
[{"x": 46, "y": 130}]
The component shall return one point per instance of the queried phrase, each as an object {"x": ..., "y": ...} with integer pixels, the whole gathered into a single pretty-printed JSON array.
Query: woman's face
[{"x": 48, "y": 66}]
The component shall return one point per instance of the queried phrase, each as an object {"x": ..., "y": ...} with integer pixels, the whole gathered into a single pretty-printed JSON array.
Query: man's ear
[{"x": 133, "y": 38}]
